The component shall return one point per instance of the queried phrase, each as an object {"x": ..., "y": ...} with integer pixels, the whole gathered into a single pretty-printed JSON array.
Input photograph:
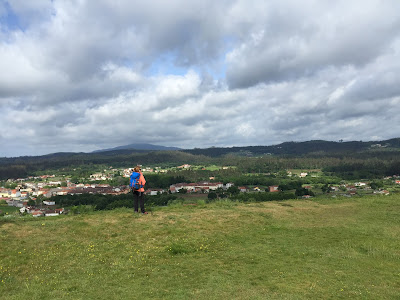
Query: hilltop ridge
[
  {"x": 150, "y": 147},
  {"x": 296, "y": 249},
  {"x": 285, "y": 148},
  {"x": 300, "y": 148}
]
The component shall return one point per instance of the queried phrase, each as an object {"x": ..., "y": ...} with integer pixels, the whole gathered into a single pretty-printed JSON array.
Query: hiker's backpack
[{"x": 135, "y": 182}]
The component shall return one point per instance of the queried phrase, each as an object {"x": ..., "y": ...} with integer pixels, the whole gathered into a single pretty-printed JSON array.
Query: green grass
[
  {"x": 321, "y": 249},
  {"x": 8, "y": 209},
  {"x": 208, "y": 168}
]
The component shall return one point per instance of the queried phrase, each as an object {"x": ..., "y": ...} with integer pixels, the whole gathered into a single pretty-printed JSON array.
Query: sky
[{"x": 78, "y": 76}]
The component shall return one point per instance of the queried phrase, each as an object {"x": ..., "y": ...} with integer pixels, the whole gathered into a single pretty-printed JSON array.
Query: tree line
[{"x": 357, "y": 165}]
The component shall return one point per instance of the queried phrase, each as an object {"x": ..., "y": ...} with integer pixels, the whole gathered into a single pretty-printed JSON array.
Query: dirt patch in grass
[
  {"x": 25, "y": 233},
  {"x": 306, "y": 213},
  {"x": 20, "y": 230},
  {"x": 324, "y": 216},
  {"x": 7, "y": 226}
]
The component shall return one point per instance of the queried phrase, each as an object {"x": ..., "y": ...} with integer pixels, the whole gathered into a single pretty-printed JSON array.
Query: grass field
[
  {"x": 8, "y": 209},
  {"x": 322, "y": 249}
]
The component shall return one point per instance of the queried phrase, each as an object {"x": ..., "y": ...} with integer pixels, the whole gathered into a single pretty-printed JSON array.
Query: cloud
[
  {"x": 302, "y": 40},
  {"x": 84, "y": 75}
]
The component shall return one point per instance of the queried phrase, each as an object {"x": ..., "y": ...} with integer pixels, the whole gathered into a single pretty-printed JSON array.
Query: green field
[
  {"x": 8, "y": 209},
  {"x": 322, "y": 249}
]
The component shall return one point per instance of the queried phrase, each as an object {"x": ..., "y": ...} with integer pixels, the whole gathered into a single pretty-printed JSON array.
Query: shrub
[{"x": 212, "y": 196}]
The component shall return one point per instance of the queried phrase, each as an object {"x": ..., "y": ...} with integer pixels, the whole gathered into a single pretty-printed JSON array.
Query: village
[{"x": 31, "y": 195}]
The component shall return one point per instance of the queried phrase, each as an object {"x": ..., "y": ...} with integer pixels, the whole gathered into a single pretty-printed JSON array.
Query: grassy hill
[{"x": 322, "y": 249}]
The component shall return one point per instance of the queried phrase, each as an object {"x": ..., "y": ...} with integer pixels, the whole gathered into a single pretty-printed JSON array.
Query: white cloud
[
  {"x": 301, "y": 40},
  {"x": 81, "y": 75},
  {"x": 177, "y": 87}
]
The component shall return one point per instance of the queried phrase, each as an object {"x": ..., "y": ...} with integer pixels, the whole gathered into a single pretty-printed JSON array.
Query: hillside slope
[{"x": 325, "y": 249}]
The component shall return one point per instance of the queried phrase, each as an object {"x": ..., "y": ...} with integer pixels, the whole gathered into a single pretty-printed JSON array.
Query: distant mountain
[
  {"x": 302, "y": 148},
  {"x": 139, "y": 147}
]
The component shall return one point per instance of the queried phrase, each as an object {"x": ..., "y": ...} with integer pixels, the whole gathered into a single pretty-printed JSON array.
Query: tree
[
  {"x": 31, "y": 202},
  {"x": 376, "y": 185},
  {"x": 212, "y": 196},
  {"x": 39, "y": 200},
  {"x": 303, "y": 191},
  {"x": 233, "y": 190},
  {"x": 219, "y": 190},
  {"x": 75, "y": 179},
  {"x": 326, "y": 188}
]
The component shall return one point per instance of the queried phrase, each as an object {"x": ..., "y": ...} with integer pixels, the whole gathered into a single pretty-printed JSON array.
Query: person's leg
[
  {"x": 141, "y": 200},
  {"x": 135, "y": 201}
]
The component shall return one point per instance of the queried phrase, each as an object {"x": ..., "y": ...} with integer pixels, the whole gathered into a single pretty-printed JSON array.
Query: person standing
[{"x": 137, "y": 182}]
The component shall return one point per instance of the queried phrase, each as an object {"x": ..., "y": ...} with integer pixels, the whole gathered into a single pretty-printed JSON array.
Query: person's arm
[{"x": 142, "y": 179}]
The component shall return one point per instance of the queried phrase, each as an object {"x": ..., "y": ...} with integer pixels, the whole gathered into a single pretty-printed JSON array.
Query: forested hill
[
  {"x": 302, "y": 148},
  {"x": 19, "y": 167}
]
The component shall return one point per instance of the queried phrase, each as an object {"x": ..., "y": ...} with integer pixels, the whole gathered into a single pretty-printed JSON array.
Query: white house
[
  {"x": 154, "y": 192},
  {"x": 5, "y": 193},
  {"x": 15, "y": 194},
  {"x": 51, "y": 213},
  {"x": 229, "y": 184},
  {"x": 243, "y": 189},
  {"x": 37, "y": 213},
  {"x": 196, "y": 187}
]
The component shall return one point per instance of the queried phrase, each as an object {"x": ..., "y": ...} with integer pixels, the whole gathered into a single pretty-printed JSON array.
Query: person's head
[{"x": 137, "y": 169}]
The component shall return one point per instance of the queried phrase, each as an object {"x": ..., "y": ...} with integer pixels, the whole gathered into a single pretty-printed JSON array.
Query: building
[
  {"x": 15, "y": 194},
  {"x": 4, "y": 193},
  {"x": 274, "y": 188},
  {"x": 229, "y": 184},
  {"x": 185, "y": 166},
  {"x": 154, "y": 192},
  {"x": 203, "y": 186},
  {"x": 37, "y": 213},
  {"x": 51, "y": 213},
  {"x": 243, "y": 189}
]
